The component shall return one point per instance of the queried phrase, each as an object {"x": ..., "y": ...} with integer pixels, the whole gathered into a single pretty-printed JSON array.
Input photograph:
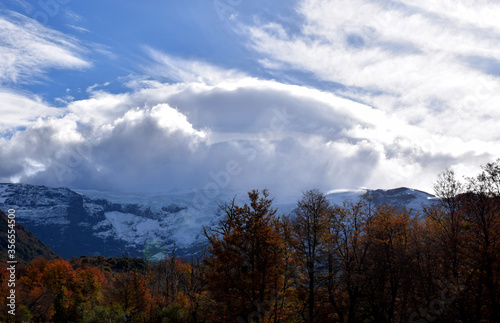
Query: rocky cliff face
[{"x": 74, "y": 224}]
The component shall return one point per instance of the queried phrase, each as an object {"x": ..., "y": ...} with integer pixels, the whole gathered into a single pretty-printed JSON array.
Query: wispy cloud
[
  {"x": 79, "y": 29},
  {"x": 417, "y": 59},
  {"x": 28, "y": 49},
  {"x": 183, "y": 70}
]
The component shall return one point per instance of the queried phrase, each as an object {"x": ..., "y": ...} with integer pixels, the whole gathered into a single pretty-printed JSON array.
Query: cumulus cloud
[
  {"x": 28, "y": 49},
  {"x": 214, "y": 135},
  {"x": 20, "y": 110}
]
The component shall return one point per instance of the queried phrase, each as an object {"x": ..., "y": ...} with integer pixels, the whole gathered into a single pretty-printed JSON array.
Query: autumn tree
[
  {"x": 481, "y": 207},
  {"x": 177, "y": 286},
  {"x": 447, "y": 219},
  {"x": 245, "y": 264},
  {"x": 59, "y": 278},
  {"x": 167, "y": 278},
  {"x": 88, "y": 293},
  {"x": 348, "y": 260},
  {"x": 129, "y": 290},
  {"x": 307, "y": 238},
  {"x": 448, "y": 241},
  {"x": 465, "y": 226},
  {"x": 195, "y": 290},
  {"x": 393, "y": 237}
]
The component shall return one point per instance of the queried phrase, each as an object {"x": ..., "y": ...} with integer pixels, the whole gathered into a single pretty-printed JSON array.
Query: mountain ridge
[{"x": 84, "y": 222}]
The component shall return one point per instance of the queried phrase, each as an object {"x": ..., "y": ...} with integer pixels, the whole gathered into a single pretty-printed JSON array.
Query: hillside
[{"x": 28, "y": 247}]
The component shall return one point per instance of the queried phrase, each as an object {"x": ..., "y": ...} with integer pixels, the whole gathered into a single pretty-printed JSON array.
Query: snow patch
[
  {"x": 3, "y": 195},
  {"x": 130, "y": 227}
]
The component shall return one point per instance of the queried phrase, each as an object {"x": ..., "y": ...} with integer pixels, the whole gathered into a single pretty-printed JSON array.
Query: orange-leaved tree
[
  {"x": 129, "y": 290},
  {"x": 245, "y": 267},
  {"x": 60, "y": 279},
  {"x": 308, "y": 240}
]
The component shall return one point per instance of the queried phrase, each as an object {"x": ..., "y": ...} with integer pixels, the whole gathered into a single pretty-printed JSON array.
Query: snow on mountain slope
[
  {"x": 3, "y": 195},
  {"x": 88, "y": 222},
  {"x": 398, "y": 197},
  {"x": 174, "y": 219},
  {"x": 339, "y": 196}
]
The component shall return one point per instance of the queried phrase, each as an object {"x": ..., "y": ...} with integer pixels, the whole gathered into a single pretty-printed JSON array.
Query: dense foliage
[{"x": 324, "y": 263}]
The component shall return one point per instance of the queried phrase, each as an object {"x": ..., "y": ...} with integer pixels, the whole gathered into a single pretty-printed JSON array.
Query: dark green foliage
[
  {"x": 111, "y": 314},
  {"x": 175, "y": 313},
  {"x": 115, "y": 264}
]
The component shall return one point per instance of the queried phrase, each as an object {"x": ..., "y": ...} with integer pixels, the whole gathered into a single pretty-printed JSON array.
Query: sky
[{"x": 169, "y": 95}]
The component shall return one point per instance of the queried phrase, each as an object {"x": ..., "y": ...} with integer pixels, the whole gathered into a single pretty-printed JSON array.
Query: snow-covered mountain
[
  {"x": 78, "y": 222},
  {"x": 398, "y": 197}
]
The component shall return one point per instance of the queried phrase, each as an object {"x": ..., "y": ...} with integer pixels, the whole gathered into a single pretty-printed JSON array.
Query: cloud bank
[
  {"x": 243, "y": 133},
  {"x": 414, "y": 101}
]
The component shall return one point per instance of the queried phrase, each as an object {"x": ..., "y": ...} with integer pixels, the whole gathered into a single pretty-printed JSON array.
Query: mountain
[
  {"x": 83, "y": 222},
  {"x": 27, "y": 246},
  {"x": 99, "y": 223},
  {"x": 397, "y": 197}
]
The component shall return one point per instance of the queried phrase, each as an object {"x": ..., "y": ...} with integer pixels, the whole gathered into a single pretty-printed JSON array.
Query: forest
[{"x": 324, "y": 263}]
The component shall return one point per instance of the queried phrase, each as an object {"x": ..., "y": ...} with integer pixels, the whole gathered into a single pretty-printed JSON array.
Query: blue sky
[
  {"x": 113, "y": 35},
  {"x": 161, "y": 95}
]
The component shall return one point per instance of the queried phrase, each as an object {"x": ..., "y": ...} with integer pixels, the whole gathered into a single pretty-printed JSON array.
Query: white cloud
[
  {"x": 101, "y": 107},
  {"x": 172, "y": 120},
  {"x": 78, "y": 28},
  {"x": 29, "y": 48},
  {"x": 182, "y": 70},
  {"x": 163, "y": 136},
  {"x": 20, "y": 110},
  {"x": 425, "y": 61},
  {"x": 427, "y": 106}
]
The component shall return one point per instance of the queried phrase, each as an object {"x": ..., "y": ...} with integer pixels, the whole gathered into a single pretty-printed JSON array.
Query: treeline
[{"x": 324, "y": 263}]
